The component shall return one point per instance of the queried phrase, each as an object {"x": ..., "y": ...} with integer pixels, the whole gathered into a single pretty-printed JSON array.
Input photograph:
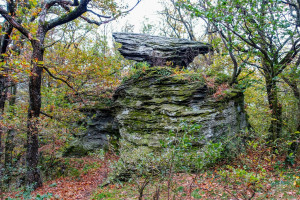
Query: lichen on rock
[
  {"x": 152, "y": 105},
  {"x": 100, "y": 126},
  {"x": 155, "y": 101}
]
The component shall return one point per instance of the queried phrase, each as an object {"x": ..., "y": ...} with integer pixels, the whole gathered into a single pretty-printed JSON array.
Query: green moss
[
  {"x": 164, "y": 74},
  {"x": 136, "y": 116},
  {"x": 75, "y": 151},
  {"x": 232, "y": 94},
  {"x": 219, "y": 77},
  {"x": 141, "y": 139},
  {"x": 101, "y": 103},
  {"x": 161, "y": 99}
]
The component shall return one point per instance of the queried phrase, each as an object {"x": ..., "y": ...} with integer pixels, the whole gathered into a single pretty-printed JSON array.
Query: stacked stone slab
[
  {"x": 159, "y": 51},
  {"x": 99, "y": 124},
  {"x": 149, "y": 107}
]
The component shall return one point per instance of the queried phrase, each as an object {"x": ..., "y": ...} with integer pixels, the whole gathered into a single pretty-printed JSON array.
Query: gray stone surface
[
  {"x": 99, "y": 124},
  {"x": 157, "y": 51},
  {"x": 149, "y": 107},
  {"x": 146, "y": 107}
]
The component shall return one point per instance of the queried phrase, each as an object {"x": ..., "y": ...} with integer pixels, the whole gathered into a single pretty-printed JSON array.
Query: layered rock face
[
  {"x": 149, "y": 107},
  {"x": 100, "y": 123},
  {"x": 159, "y": 51},
  {"x": 145, "y": 108}
]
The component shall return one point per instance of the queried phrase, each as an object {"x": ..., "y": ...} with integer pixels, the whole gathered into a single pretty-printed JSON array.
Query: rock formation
[
  {"x": 159, "y": 51},
  {"x": 100, "y": 123},
  {"x": 155, "y": 101},
  {"x": 149, "y": 107},
  {"x": 160, "y": 107}
]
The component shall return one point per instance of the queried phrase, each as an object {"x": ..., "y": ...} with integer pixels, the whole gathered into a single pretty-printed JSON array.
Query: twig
[
  {"x": 57, "y": 78},
  {"x": 43, "y": 113}
]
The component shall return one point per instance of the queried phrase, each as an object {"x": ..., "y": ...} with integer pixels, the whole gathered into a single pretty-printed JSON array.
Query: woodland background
[{"x": 54, "y": 61}]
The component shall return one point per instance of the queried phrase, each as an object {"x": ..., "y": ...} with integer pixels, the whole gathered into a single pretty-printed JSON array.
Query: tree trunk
[
  {"x": 294, "y": 137},
  {"x": 294, "y": 86},
  {"x": 7, "y": 29},
  {"x": 275, "y": 107},
  {"x": 3, "y": 95},
  {"x": 9, "y": 143},
  {"x": 33, "y": 174}
]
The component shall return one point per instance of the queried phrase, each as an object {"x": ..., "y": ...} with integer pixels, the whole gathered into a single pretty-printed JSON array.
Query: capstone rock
[{"x": 159, "y": 51}]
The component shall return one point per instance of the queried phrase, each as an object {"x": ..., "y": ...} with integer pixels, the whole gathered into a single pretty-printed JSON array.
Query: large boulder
[
  {"x": 158, "y": 110},
  {"x": 159, "y": 51},
  {"x": 158, "y": 102}
]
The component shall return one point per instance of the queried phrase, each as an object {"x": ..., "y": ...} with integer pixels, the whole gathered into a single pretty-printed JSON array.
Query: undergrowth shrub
[{"x": 259, "y": 171}]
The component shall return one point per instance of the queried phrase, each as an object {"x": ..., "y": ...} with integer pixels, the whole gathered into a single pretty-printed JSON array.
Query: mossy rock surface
[
  {"x": 100, "y": 130},
  {"x": 154, "y": 103},
  {"x": 75, "y": 149},
  {"x": 158, "y": 100}
]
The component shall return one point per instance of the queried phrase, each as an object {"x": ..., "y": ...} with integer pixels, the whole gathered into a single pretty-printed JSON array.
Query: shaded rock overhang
[{"x": 160, "y": 51}]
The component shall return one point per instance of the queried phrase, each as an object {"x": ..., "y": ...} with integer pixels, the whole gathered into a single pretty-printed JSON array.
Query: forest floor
[
  {"x": 91, "y": 173},
  {"x": 82, "y": 179},
  {"x": 271, "y": 181}
]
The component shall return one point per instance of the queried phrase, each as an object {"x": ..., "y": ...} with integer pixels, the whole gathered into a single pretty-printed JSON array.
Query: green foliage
[
  {"x": 53, "y": 167},
  {"x": 38, "y": 197},
  {"x": 249, "y": 175},
  {"x": 266, "y": 40},
  {"x": 181, "y": 151},
  {"x": 100, "y": 196},
  {"x": 100, "y": 153},
  {"x": 196, "y": 195},
  {"x": 26, "y": 195},
  {"x": 251, "y": 180},
  {"x": 43, "y": 197},
  {"x": 187, "y": 148},
  {"x": 74, "y": 149},
  {"x": 87, "y": 63},
  {"x": 88, "y": 167}
]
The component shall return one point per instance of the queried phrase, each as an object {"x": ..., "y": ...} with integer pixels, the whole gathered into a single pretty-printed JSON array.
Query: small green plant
[
  {"x": 74, "y": 172},
  {"x": 88, "y": 167},
  {"x": 137, "y": 71},
  {"x": 44, "y": 196},
  {"x": 102, "y": 196},
  {"x": 184, "y": 150},
  {"x": 26, "y": 194},
  {"x": 188, "y": 146},
  {"x": 249, "y": 183},
  {"x": 196, "y": 194},
  {"x": 100, "y": 153}
]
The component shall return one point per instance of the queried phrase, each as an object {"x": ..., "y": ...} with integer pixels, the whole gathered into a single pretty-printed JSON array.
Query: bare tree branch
[
  {"x": 57, "y": 78},
  {"x": 98, "y": 15},
  {"x": 15, "y": 24},
  {"x": 98, "y": 23},
  {"x": 77, "y": 12}
]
